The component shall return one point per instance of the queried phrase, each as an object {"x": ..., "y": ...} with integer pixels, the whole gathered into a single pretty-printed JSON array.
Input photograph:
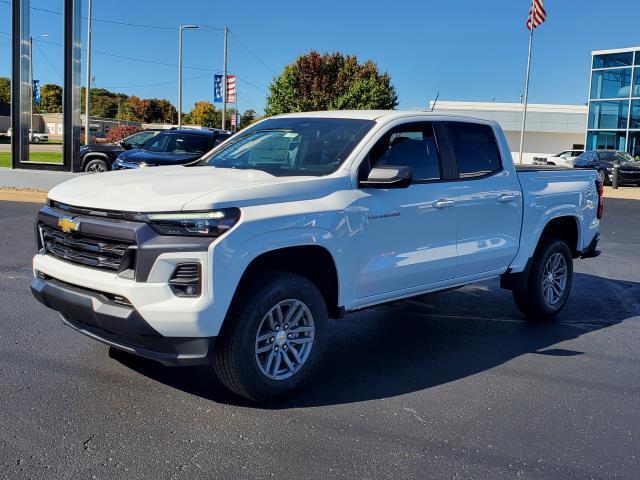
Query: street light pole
[
  {"x": 224, "y": 79},
  {"x": 87, "y": 123},
  {"x": 182, "y": 28}
]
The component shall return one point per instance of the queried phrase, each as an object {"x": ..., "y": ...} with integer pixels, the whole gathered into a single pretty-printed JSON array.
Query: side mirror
[{"x": 388, "y": 176}]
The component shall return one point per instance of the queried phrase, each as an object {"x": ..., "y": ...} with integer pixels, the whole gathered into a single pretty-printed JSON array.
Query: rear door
[{"x": 490, "y": 201}]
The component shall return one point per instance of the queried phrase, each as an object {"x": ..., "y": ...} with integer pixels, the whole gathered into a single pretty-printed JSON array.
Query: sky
[{"x": 464, "y": 49}]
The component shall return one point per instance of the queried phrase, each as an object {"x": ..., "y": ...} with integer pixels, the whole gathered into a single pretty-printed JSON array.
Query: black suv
[
  {"x": 98, "y": 157},
  {"x": 602, "y": 161},
  {"x": 171, "y": 147}
]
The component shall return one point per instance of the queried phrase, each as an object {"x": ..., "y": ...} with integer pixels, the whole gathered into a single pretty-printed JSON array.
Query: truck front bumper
[{"x": 105, "y": 318}]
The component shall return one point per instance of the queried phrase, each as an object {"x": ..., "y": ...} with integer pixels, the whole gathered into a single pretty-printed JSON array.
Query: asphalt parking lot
[{"x": 454, "y": 385}]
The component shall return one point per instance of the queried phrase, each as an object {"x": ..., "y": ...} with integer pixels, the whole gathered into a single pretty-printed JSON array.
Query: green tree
[
  {"x": 247, "y": 118},
  {"x": 5, "y": 90},
  {"x": 50, "y": 99},
  {"x": 326, "y": 81},
  {"x": 203, "y": 114}
]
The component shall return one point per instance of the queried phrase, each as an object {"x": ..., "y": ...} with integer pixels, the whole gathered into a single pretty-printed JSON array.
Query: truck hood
[{"x": 162, "y": 189}]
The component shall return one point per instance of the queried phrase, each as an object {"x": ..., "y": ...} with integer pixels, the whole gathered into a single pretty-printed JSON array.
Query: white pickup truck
[{"x": 239, "y": 260}]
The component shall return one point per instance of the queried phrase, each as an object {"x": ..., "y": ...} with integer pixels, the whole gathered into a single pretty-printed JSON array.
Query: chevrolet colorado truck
[{"x": 238, "y": 260}]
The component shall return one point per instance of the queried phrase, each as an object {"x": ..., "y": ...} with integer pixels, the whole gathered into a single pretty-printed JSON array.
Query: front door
[{"x": 409, "y": 237}]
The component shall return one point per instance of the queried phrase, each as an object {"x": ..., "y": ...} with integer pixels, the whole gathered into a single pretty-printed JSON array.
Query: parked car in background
[
  {"x": 171, "y": 147},
  {"x": 98, "y": 157},
  {"x": 603, "y": 160},
  {"x": 565, "y": 159},
  {"x": 34, "y": 137}
]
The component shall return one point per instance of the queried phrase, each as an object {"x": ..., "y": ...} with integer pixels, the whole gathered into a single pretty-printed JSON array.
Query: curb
[{"x": 23, "y": 195}]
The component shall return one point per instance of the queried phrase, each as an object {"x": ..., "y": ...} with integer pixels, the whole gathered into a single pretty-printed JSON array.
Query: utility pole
[
  {"x": 182, "y": 28},
  {"x": 87, "y": 101},
  {"x": 30, "y": 89},
  {"x": 224, "y": 79}
]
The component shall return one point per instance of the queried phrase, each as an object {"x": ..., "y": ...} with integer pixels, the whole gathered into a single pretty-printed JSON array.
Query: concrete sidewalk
[{"x": 33, "y": 179}]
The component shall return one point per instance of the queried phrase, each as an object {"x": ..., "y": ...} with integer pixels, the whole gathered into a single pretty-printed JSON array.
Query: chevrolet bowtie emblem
[{"x": 67, "y": 225}]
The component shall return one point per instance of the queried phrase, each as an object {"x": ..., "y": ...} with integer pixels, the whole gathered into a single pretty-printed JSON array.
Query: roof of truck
[{"x": 376, "y": 114}]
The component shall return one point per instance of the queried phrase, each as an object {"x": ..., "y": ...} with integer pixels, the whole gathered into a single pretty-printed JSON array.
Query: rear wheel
[
  {"x": 549, "y": 283},
  {"x": 275, "y": 338}
]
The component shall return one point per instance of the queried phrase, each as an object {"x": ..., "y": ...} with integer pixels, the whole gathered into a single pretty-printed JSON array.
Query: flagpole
[{"x": 526, "y": 82}]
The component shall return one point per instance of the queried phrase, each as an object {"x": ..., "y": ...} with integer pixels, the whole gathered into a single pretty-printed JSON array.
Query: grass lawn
[{"x": 48, "y": 157}]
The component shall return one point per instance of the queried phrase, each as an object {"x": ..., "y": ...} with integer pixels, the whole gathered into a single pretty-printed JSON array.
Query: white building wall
[{"x": 537, "y": 144}]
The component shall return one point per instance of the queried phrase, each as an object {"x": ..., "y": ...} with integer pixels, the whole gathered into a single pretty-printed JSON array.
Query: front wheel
[
  {"x": 96, "y": 166},
  {"x": 549, "y": 283},
  {"x": 274, "y": 339}
]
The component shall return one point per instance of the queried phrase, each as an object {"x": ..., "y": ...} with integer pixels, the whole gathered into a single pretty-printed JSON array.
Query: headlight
[{"x": 193, "y": 224}]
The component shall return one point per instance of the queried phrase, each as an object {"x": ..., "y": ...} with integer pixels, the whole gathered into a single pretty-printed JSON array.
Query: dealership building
[
  {"x": 614, "y": 100},
  {"x": 550, "y": 129}
]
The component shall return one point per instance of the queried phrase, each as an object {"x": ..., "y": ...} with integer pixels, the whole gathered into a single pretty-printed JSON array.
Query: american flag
[
  {"x": 537, "y": 14},
  {"x": 231, "y": 88}
]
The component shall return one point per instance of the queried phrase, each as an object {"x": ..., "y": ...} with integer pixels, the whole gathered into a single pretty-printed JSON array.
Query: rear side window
[{"x": 475, "y": 149}]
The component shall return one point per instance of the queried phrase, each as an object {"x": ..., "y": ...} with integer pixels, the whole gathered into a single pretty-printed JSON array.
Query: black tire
[
  {"x": 530, "y": 299},
  {"x": 234, "y": 358},
  {"x": 96, "y": 165}
]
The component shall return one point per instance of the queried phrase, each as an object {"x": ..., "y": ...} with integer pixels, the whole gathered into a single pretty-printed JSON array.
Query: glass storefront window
[
  {"x": 611, "y": 83},
  {"x": 608, "y": 60},
  {"x": 637, "y": 57},
  {"x": 608, "y": 115},
  {"x": 606, "y": 141},
  {"x": 635, "y": 114},
  {"x": 634, "y": 145},
  {"x": 636, "y": 80}
]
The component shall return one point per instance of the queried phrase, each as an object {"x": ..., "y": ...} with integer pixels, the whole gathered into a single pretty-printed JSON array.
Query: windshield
[
  {"x": 292, "y": 146},
  {"x": 614, "y": 155},
  {"x": 178, "y": 143}
]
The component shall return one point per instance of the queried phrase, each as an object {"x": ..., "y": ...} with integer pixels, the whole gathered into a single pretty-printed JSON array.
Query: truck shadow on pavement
[{"x": 428, "y": 341}]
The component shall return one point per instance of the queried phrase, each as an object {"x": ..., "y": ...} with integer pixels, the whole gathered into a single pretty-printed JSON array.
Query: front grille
[{"x": 101, "y": 253}]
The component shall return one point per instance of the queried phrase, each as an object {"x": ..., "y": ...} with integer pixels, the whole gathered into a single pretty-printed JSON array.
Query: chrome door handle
[
  {"x": 505, "y": 197},
  {"x": 444, "y": 204}
]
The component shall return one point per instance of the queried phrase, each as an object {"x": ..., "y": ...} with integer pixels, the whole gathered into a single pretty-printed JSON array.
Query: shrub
[{"x": 118, "y": 133}]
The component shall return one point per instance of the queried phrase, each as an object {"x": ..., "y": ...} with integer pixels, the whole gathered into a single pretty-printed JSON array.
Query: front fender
[{"x": 231, "y": 261}]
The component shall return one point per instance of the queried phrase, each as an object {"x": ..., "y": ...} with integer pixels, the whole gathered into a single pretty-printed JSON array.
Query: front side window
[
  {"x": 292, "y": 146},
  {"x": 412, "y": 146},
  {"x": 475, "y": 149}
]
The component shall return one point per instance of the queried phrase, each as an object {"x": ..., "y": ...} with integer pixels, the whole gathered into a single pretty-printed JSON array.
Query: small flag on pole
[
  {"x": 217, "y": 88},
  {"x": 231, "y": 88},
  {"x": 537, "y": 14}
]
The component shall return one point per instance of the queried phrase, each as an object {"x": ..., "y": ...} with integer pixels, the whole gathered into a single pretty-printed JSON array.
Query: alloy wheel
[
  {"x": 284, "y": 339},
  {"x": 554, "y": 279}
]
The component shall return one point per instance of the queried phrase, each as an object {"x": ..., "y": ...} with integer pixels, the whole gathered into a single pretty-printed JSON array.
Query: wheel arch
[
  {"x": 565, "y": 227},
  {"x": 314, "y": 262}
]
